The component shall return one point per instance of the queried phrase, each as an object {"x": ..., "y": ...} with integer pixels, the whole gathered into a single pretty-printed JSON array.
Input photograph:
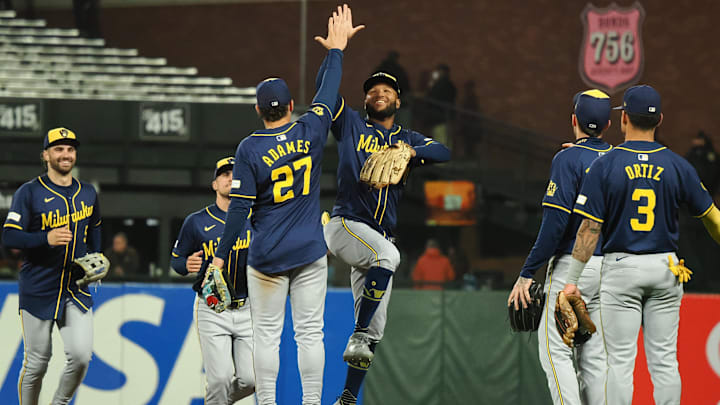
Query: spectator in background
[
  {"x": 391, "y": 65},
  {"x": 441, "y": 104},
  {"x": 704, "y": 158},
  {"x": 432, "y": 268},
  {"x": 124, "y": 259}
]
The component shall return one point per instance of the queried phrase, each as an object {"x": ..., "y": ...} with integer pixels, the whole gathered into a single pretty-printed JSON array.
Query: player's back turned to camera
[
  {"x": 554, "y": 243},
  {"x": 277, "y": 173},
  {"x": 632, "y": 196}
]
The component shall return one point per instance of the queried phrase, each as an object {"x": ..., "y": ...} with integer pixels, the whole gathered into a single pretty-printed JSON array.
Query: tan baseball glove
[
  {"x": 573, "y": 320},
  {"x": 387, "y": 166}
]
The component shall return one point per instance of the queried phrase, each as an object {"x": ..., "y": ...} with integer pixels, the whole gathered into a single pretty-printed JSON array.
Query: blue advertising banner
[{"x": 146, "y": 348}]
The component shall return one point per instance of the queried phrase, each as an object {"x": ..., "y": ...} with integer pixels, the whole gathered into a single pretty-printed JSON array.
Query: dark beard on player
[
  {"x": 381, "y": 115},
  {"x": 55, "y": 165}
]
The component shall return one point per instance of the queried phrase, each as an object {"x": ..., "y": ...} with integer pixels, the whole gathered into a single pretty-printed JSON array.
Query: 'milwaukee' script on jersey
[
  {"x": 53, "y": 219},
  {"x": 210, "y": 246}
]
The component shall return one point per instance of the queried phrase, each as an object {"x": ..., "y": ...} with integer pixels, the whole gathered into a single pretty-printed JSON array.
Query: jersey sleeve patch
[
  {"x": 581, "y": 199},
  {"x": 14, "y": 216},
  {"x": 551, "y": 189}
]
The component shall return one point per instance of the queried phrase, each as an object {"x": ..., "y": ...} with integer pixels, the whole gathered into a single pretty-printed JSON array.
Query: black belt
[{"x": 235, "y": 304}]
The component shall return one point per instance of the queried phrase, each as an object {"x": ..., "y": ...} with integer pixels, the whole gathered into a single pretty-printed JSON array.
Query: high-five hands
[{"x": 340, "y": 29}]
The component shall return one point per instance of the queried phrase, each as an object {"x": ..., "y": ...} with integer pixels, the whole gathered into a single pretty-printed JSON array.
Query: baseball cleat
[
  {"x": 347, "y": 398},
  {"x": 358, "y": 348}
]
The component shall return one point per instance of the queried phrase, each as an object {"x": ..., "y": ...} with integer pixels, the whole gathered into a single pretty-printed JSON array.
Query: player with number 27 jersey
[
  {"x": 276, "y": 167},
  {"x": 657, "y": 181}
]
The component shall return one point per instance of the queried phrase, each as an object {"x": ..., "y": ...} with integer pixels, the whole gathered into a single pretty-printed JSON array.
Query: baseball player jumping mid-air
[
  {"x": 225, "y": 337},
  {"x": 54, "y": 219},
  {"x": 631, "y": 196},
  {"x": 363, "y": 218},
  {"x": 590, "y": 118},
  {"x": 277, "y": 173}
]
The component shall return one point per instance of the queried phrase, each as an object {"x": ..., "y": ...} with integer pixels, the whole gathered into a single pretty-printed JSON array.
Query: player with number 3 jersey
[{"x": 632, "y": 195}]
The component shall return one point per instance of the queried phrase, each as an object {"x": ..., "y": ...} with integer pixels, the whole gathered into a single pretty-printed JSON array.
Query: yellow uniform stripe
[
  {"x": 361, "y": 241},
  {"x": 560, "y": 207},
  {"x": 387, "y": 191},
  {"x": 79, "y": 289},
  {"x": 707, "y": 211},
  {"x": 378, "y": 204},
  {"x": 251, "y": 197},
  {"x": 592, "y": 149},
  {"x": 13, "y": 226},
  {"x": 24, "y": 366},
  {"x": 585, "y": 214},
  {"x": 277, "y": 133},
  {"x": 74, "y": 245},
  {"x": 640, "y": 151},
  {"x": 207, "y": 209},
  {"x": 62, "y": 273},
  {"x": 340, "y": 110},
  {"x": 174, "y": 255},
  {"x": 547, "y": 337}
]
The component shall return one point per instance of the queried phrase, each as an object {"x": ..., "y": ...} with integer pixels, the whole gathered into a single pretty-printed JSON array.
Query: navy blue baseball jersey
[
  {"x": 357, "y": 139},
  {"x": 558, "y": 229},
  {"x": 635, "y": 191},
  {"x": 277, "y": 172},
  {"x": 202, "y": 231},
  {"x": 280, "y": 170},
  {"x": 46, "y": 277}
]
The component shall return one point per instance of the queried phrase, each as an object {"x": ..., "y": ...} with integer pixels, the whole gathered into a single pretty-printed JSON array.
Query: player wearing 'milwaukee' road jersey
[
  {"x": 363, "y": 218},
  {"x": 632, "y": 194},
  {"x": 277, "y": 173}
]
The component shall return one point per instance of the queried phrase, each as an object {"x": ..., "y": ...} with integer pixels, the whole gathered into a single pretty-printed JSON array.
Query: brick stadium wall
[{"x": 522, "y": 57}]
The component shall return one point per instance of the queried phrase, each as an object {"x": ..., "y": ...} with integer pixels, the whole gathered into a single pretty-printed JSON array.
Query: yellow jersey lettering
[
  {"x": 307, "y": 147},
  {"x": 364, "y": 143},
  {"x": 242, "y": 243},
  {"x": 644, "y": 169},
  {"x": 268, "y": 161},
  {"x": 657, "y": 174},
  {"x": 273, "y": 154},
  {"x": 290, "y": 147},
  {"x": 638, "y": 172},
  {"x": 281, "y": 151},
  {"x": 300, "y": 145},
  {"x": 209, "y": 249}
]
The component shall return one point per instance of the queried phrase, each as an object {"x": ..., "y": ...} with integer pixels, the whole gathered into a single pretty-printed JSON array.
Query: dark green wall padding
[{"x": 454, "y": 347}]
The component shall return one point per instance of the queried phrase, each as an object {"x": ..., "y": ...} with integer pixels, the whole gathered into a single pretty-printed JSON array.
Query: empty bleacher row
[{"x": 52, "y": 63}]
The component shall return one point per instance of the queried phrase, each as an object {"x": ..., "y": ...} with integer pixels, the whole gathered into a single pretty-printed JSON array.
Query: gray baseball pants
[{"x": 76, "y": 330}]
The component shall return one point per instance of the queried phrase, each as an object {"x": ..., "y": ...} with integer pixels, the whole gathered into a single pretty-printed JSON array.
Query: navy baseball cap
[
  {"x": 381, "y": 77},
  {"x": 272, "y": 92},
  {"x": 224, "y": 165},
  {"x": 592, "y": 109},
  {"x": 58, "y": 136},
  {"x": 642, "y": 100}
]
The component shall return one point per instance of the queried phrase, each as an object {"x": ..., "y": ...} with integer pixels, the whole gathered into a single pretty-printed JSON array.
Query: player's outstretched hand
[
  {"x": 59, "y": 236},
  {"x": 194, "y": 262},
  {"x": 520, "y": 292},
  {"x": 340, "y": 29}
]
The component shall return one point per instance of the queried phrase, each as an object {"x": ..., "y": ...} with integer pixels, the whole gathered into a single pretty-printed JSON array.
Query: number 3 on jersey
[
  {"x": 647, "y": 210},
  {"x": 283, "y": 178}
]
